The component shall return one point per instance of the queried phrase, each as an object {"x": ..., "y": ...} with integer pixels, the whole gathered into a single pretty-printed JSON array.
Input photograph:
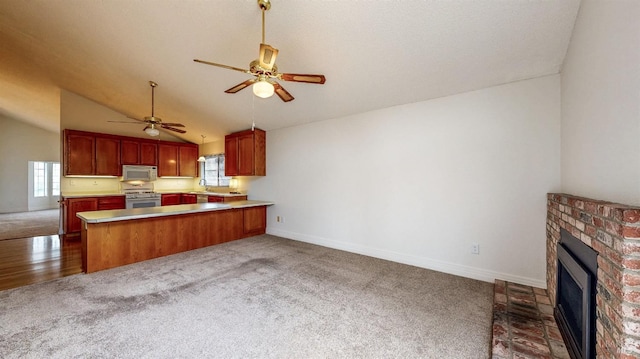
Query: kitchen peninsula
[{"x": 113, "y": 238}]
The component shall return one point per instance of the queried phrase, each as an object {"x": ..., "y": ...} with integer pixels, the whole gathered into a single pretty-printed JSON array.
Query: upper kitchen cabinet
[
  {"x": 87, "y": 153},
  {"x": 245, "y": 153},
  {"x": 108, "y": 156},
  {"x": 79, "y": 153},
  {"x": 177, "y": 159},
  {"x": 139, "y": 152}
]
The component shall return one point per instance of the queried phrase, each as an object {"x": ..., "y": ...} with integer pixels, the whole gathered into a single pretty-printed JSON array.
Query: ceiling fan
[
  {"x": 265, "y": 70},
  {"x": 154, "y": 124}
]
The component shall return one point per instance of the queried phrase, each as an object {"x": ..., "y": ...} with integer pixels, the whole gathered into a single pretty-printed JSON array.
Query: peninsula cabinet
[
  {"x": 177, "y": 160},
  {"x": 245, "y": 153},
  {"x": 254, "y": 220},
  {"x": 135, "y": 152}
]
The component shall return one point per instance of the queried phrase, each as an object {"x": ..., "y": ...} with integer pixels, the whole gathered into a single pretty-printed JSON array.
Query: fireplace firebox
[{"x": 575, "y": 309}]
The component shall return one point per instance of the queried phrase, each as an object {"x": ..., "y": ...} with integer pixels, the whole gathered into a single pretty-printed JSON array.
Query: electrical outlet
[
  {"x": 475, "y": 248},
  {"x": 280, "y": 219}
]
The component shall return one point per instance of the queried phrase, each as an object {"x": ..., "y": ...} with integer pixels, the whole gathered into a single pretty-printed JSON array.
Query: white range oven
[{"x": 140, "y": 195}]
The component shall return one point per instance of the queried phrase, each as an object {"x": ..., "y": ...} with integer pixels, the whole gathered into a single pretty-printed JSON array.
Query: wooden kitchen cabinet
[
  {"x": 148, "y": 154},
  {"x": 87, "y": 154},
  {"x": 227, "y": 198},
  {"x": 245, "y": 153},
  {"x": 188, "y": 198},
  {"x": 167, "y": 160},
  {"x": 170, "y": 199},
  {"x": 255, "y": 220},
  {"x": 79, "y": 153},
  {"x": 111, "y": 202},
  {"x": 108, "y": 156},
  {"x": 137, "y": 152},
  {"x": 72, "y": 224},
  {"x": 188, "y": 161},
  {"x": 177, "y": 160}
]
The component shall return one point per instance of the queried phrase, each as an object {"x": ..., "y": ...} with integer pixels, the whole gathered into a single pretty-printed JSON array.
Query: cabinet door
[
  {"x": 255, "y": 220},
  {"x": 231, "y": 156},
  {"x": 148, "y": 154},
  {"x": 108, "y": 157},
  {"x": 245, "y": 155},
  {"x": 168, "y": 160},
  {"x": 170, "y": 199},
  {"x": 130, "y": 152},
  {"x": 234, "y": 198},
  {"x": 188, "y": 161},
  {"x": 187, "y": 198},
  {"x": 73, "y": 224},
  {"x": 79, "y": 154},
  {"x": 111, "y": 202}
]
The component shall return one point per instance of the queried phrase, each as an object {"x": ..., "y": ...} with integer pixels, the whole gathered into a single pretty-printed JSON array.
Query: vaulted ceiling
[{"x": 374, "y": 54}]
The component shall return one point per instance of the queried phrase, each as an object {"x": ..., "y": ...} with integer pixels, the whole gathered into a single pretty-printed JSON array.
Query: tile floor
[{"x": 523, "y": 324}]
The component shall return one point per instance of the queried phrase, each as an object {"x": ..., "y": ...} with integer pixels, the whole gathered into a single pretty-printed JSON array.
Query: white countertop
[
  {"x": 90, "y": 194},
  {"x": 161, "y": 211}
]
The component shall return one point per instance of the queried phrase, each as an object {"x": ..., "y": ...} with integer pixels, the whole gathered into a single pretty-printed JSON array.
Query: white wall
[
  {"x": 601, "y": 103},
  {"x": 420, "y": 183},
  {"x": 20, "y": 143}
]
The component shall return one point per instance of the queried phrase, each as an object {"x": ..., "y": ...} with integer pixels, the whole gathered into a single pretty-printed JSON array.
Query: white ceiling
[{"x": 374, "y": 54}]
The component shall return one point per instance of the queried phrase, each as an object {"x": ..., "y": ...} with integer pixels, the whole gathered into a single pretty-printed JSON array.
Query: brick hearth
[
  {"x": 613, "y": 230},
  {"x": 523, "y": 324}
]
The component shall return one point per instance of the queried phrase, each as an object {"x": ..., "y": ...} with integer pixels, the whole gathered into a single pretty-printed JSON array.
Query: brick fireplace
[{"x": 613, "y": 230}]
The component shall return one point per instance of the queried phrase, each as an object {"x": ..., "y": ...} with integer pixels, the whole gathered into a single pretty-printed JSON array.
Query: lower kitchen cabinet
[
  {"x": 71, "y": 223},
  {"x": 227, "y": 198},
  {"x": 111, "y": 202},
  {"x": 188, "y": 198},
  {"x": 170, "y": 199}
]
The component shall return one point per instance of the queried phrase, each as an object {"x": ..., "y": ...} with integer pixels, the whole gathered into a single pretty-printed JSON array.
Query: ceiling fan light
[
  {"x": 153, "y": 132},
  {"x": 263, "y": 89}
]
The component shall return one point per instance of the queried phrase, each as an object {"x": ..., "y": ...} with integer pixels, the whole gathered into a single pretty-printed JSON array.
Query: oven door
[{"x": 142, "y": 202}]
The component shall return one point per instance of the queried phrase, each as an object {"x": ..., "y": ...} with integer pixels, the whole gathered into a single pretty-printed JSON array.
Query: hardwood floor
[{"x": 31, "y": 260}]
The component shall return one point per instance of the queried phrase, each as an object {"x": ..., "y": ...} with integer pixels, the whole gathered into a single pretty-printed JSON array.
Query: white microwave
[{"x": 139, "y": 173}]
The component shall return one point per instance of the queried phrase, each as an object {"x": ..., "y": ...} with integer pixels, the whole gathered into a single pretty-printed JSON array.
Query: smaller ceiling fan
[
  {"x": 154, "y": 124},
  {"x": 265, "y": 70}
]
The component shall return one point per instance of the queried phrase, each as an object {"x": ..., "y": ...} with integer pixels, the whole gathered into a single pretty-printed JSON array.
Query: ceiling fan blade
[
  {"x": 267, "y": 57},
  {"x": 172, "y": 124},
  {"x": 312, "y": 79},
  {"x": 241, "y": 86},
  {"x": 133, "y": 118},
  {"x": 281, "y": 92},
  {"x": 135, "y": 123},
  {"x": 223, "y": 66},
  {"x": 163, "y": 127}
]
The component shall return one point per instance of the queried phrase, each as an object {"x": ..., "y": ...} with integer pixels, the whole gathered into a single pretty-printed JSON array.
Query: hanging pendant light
[{"x": 201, "y": 158}]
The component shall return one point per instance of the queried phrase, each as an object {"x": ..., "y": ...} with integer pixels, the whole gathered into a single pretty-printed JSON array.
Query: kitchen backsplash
[{"x": 96, "y": 184}]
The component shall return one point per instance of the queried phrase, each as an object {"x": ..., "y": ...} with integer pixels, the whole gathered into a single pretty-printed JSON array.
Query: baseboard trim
[{"x": 418, "y": 261}]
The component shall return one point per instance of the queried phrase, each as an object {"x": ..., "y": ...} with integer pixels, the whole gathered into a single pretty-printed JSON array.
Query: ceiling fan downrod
[
  {"x": 264, "y": 6},
  {"x": 153, "y": 88}
]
